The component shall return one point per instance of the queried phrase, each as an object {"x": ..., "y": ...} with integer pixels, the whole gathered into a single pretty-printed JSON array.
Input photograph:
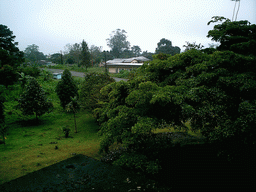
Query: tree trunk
[{"x": 75, "y": 122}]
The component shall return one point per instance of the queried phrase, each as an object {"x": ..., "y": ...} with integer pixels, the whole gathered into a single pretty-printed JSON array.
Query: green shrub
[{"x": 32, "y": 71}]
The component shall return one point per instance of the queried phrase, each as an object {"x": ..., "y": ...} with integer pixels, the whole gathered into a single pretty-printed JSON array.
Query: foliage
[
  {"x": 75, "y": 52},
  {"x": 8, "y": 75},
  {"x": 34, "y": 100},
  {"x": 46, "y": 75},
  {"x": 66, "y": 88},
  {"x": 2, "y": 100},
  {"x": 96, "y": 54},
  {"x": 122, "y": 74},
  {"x": 236, "y": 36},
  {"x": 117, "y": 42},
  {"x": 165, "y": 46},
  {"x": 30, "y": 70},
  {"x": 9, "y": 52},
  {"x": 56, "y": 58},
  {"x": 192, "y": 46},
  {"x": 136, "y": 50},
  {"x": 32, "y": 53},
  {"x": 213, "y": 91},
  {"x": 23, "y": 79},
  {"x": 73, "y": 106},
  {"x": 90, "y": 89},
  {"x": 85, "y": 55}
]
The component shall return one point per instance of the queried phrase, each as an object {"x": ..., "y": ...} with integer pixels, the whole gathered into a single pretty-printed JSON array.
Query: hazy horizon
[{"x": 53, "y": 24}]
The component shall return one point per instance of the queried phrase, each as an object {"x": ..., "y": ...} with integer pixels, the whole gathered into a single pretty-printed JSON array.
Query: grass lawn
[{"x": 30, "y": 146}]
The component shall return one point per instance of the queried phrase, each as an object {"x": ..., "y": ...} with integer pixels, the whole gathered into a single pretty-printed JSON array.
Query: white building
[{"x": 116, "y": 65}]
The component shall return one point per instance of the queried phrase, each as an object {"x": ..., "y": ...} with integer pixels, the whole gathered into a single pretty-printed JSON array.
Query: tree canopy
[
  {"x": 212, "y": 91},
  {"x": 32, "y": 53},
  {"x": 165, "y": 46},
  {"x": 85, "y": 55},
  {"x": 9, "y": 52},
  {"x": 117, "y": 42},
  {"x": 236, "y": 36}
]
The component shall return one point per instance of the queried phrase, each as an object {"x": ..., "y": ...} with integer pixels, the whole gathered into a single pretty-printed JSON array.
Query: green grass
[{"x": 28, "y": 145}]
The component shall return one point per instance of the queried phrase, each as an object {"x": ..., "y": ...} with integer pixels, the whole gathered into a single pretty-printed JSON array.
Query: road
[{"x": 79, "y": 74}]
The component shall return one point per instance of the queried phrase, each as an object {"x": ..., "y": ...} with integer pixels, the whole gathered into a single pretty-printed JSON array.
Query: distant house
[
  {"x": 57, "y": 75},
  {"x": 116, "y": 65}
]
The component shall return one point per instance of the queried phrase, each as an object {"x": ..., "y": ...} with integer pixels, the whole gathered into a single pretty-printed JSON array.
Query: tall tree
[
  {"x": 9, "y": 52},
  {"x": 117, "y": 42},
  {"x": 32, "y": 53},
  {"x": 85, "y": 55},
  {"x": 66, "y": 88},
  {"x": 165, "y": 46},
  {"x": 96, "y": 54},
  {"x": 136, "y": 50},
  {"x": 75, "y": 52}
]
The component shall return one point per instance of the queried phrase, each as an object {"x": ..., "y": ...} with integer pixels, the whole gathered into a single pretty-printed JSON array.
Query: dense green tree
[
  {"x": 85, "y": 55},
  {"x": 9, "y": 52},
  {"x": 237, "y": 36},
  {"x": 214, "y": 92},
  {"x": 117, "y": 42},
  {"x": 8, "y": 75},
  {"x": 66, "y": 88},
  {"x": 34, "y": 100},
  {"x": 165, "y": 46},
  {"x": 32, "y": 53}
]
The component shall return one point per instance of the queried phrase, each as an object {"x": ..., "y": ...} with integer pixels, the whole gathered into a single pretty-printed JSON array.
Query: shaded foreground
[
  {"x": 185, "y": 168},
  {"x": 78, "y": 173}
]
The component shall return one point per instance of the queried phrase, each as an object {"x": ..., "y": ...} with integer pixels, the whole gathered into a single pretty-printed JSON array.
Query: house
[
  {"x": 116, "y": 65},
  {"x": 57, "y": 75}
]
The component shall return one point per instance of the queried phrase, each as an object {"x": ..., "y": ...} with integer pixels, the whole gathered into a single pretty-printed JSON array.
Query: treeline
[{"x": 79, "y": 52}]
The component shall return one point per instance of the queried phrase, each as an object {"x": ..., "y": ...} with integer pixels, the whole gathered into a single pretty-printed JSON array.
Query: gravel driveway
[{"x": 80, "y": 74}]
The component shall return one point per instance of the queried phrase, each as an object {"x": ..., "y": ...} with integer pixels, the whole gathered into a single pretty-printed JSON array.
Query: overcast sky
[{"x": 51, "y": 24}]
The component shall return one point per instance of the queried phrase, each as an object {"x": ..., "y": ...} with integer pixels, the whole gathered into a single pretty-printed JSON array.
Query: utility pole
[
  {"x": 61, "y": 61},
  {"x": 105, "y": 62}
]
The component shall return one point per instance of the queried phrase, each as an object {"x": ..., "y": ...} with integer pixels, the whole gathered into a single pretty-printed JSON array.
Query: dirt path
[{"x": 80, "y": 74}]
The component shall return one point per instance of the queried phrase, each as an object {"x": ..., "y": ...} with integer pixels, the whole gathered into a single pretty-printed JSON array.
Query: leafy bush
[
  {"x": 32, "y": 71},
  {"x": 47, "y": 75},
  {"x": 123, "y": 74}
]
